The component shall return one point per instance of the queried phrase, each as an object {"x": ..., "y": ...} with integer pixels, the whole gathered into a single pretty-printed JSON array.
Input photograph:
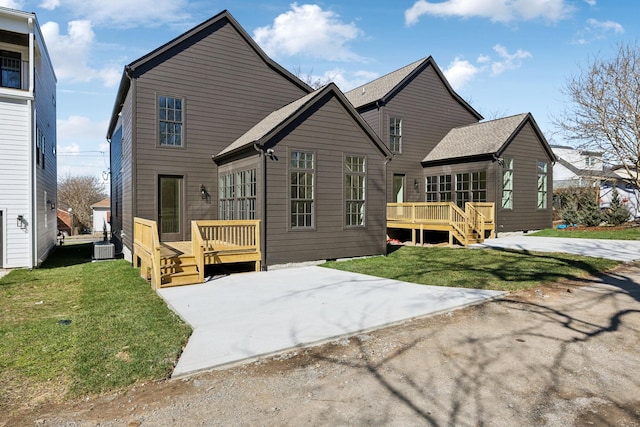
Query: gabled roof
[
  {"x": 383, "y": 88},
  {"x": 268, "y": 127},
  {"x": 104, "y": 203},
  {"x": 155, "y": 57},
  {"x": 485, "y": 138}
]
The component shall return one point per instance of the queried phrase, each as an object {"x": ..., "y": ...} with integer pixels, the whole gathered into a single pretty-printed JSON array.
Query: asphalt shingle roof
[
  {"x": 380, "y": 87},
  {"x": 266, "y": 125},
  {"x": 476, "y": 139}
]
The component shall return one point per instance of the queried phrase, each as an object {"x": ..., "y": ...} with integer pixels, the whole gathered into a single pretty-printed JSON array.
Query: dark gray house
[
  {"x": 208, "y": 127},
  {"x": 442, "y": 153}
]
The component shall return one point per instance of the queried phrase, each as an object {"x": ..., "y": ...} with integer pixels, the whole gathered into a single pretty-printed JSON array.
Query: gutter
[{"x": 263, "y": 230}]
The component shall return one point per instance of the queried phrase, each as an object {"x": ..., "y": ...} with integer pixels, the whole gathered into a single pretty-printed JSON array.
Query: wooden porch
[
  {"x": 471, "y": 225},
  {"x": 166, "y": 264}
]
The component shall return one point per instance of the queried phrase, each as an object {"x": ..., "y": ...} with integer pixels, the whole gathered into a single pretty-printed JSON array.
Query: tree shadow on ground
[{"x": 542, "y": 360}]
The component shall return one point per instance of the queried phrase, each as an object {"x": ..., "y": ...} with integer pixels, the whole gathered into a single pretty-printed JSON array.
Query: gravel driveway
[{"x": 559, "y": 355}]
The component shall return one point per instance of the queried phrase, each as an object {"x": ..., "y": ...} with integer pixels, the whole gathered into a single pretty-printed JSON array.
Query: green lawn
[
  {"x": 73, "y": 327},
  {"x": 474, "y": 268},
  {"x": 629, "y": 233}
]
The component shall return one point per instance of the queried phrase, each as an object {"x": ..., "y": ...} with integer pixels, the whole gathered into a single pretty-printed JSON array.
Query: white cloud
[
  {"x": 347, "y": 81},
  {"x": 496, "y": 10},
  {"x": 590, "y": 2},
  {"x": 308, "y": 30},
  {"x": 507, "y": 60},
  {"x": 460, "y": 72},
  {"x": 50, "y": 4},
  {"x": 128, "y": 13},
  {"x": 82, "y": 148},
  {"x": 597, "y": 30},
  {"x": 70, "y": 53},
  {"x": 80, "y": 129},
  {"x": 12, "y": 4}
]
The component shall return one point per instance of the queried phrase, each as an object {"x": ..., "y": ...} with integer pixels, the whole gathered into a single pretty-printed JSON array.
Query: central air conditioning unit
[{"x": 103, "y": 250}]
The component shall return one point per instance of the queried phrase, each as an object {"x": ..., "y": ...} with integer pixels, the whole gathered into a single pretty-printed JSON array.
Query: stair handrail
[
  {"x": 197, "y": 242},
  {"x": 459, "y": 221},
  {"x": 147, "y": 240},
  {"x": 476, "y": 220}
]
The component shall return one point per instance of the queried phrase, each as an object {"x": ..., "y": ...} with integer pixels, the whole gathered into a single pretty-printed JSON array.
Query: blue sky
[{"x": 504, "y": 56}]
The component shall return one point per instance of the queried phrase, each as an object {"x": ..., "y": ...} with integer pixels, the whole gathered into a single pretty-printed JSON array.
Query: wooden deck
[
  {"x": 468, "y": 226},
  {"x": 166, "y": 264}
]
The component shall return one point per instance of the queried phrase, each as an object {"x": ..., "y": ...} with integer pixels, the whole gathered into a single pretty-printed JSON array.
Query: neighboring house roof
[
  {"x": 104, "y": 203},
  {"x": 277, "y": 120},
  {"x": 155, "y": 57},
  {"x": 485, "y": 138},
  {"x": 384, "y": 88}
]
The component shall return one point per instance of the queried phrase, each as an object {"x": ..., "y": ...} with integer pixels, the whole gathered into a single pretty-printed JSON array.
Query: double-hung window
[
  {"x": 507, "y": 184},
  {"x": 355, "y": 189},
  {"x": 395, "y": 135},
  {"x": 170, "y": 121},
  {"x": 542, "y": 185},
  {"x": 302, "y": 191}
]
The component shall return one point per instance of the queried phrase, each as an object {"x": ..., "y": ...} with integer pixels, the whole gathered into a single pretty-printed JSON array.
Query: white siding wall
[
  {"x": 100, "y": 219},
  {"x": 14, "y": 181}
]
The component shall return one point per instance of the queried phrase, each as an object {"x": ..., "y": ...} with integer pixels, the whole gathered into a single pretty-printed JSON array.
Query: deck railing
[
  {"x": 478, "y": 217},
  {"x": 226, "y": 238},
  {"x": 146, "y": 249}
]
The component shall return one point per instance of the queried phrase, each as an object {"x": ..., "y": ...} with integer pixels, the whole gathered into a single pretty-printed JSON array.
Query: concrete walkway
[
  {"x": 619, "y": 250},
  {"x": 244, "y": 316}
]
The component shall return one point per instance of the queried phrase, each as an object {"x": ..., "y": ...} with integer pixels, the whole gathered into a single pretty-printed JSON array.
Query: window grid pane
[
  {"x": 542, "y": 185},
  {"x": 395, "y": 135},
  {"x": 507, "y": 184},
  {"x": 355, "y": 190},
  {"x": 301, "y": 189},
  {"x": 170, "y": 121}
]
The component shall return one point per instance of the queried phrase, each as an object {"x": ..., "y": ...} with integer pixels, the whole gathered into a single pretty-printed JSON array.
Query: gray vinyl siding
[
  {"x": 525, "y": 150},
  {"x": 46, "y": 178},
  {"x": 331, "y": 134},
  {"x": 428, "y": 111},
  {"x": 226, "y": 88}
]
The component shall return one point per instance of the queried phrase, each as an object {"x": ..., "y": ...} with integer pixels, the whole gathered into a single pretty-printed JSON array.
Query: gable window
[
  {"x": 542, "y": 185},
  {"x": 10, "y": 69},
  {"x": 590, "y": 161},
  {"x": 355, "y": 186},
  {"x": 237, "y": 195},
  {"x": 170, "y": 116},
  {"x": 301, "y": 194},
  {"x": 395, "y": 135},
  {"x": 507, "y": 184}
]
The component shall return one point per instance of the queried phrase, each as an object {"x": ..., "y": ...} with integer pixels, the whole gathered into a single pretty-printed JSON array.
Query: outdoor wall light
[
  {"x": 416, "y": 184},
  {"x": 19, "y": 221},
  {"x": 51, "y": 204},
  {"x": 203, "y": 192}
]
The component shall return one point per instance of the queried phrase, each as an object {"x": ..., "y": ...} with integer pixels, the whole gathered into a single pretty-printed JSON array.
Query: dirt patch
[{"x": 557, "y": 355}]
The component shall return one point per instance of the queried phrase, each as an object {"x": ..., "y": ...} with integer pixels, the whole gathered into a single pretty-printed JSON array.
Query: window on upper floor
[
  {"x": 395, "y": 135},
  {"x": 590, "y": 161},
  {"x": 41, "y": 144},
  {"x": 10, "y": 64},
  {"x": 170, "y": 121}
]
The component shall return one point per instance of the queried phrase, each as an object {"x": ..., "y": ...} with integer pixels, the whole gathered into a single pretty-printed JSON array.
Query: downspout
[{"x": 263, "y": 229}]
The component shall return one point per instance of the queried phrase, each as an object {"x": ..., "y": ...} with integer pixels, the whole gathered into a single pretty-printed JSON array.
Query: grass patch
[
  {"x": 475, "y": 268},
  {"x": 119, "y": 332},
  {"x": 626, "y": 233}
]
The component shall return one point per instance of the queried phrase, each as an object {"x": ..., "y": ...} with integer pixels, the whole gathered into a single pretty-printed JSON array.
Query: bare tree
[
  {"x": 605, "y": 109},
  {"x": 79, "y": 193},
  {"x": 315, "y": 82}
]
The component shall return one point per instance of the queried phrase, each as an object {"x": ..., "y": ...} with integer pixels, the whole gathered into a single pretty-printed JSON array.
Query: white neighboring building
[
  {"x": 28, "y": 172},
  {"x": 628, "y": 194},
  {"x": 101, "y": 215},
  {"x": 576, "y": 168}
]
